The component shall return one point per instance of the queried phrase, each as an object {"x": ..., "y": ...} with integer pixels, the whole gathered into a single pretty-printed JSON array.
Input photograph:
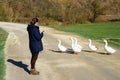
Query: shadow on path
[
  {"x": 69, "y": 51},
  {"x": 95, "y": 52},
  {"x": 19, "y": 64}
]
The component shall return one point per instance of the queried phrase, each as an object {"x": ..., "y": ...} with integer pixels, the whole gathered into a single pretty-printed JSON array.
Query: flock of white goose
[{"x": 77, "y": 48}]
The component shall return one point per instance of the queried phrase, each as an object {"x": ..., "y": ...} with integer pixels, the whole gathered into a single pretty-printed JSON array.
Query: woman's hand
[{"x": 42, "y": 31}]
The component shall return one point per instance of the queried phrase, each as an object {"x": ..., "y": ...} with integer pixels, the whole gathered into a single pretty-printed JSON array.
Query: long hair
[{"x": 34, "y": 20}]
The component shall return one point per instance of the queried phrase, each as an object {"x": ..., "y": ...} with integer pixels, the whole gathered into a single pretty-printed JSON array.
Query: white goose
[
  {"x": 109, "y": 49},
  {"x": 91, "y": 46},
  {"x": 76, "y": 43},
  {"x": 61, "y": 47},
  {"x": 75, "y": 46}
]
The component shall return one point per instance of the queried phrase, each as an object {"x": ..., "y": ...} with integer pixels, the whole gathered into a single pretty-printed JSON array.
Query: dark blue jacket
[{"x": 35, "y": 42}]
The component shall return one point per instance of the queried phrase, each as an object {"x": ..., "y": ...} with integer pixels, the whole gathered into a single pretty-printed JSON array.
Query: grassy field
[
  {"x": 3, "y": 36},
  {"x": 96, "y": 31}
]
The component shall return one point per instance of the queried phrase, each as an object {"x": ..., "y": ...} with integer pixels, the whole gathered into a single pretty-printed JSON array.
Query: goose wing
[
  {"x": 62, "y": 48},
  {"x": 93, "y": 47},
  {"x": 110, "y": 49}
]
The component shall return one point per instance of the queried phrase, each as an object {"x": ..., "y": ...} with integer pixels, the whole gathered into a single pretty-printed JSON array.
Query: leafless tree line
[{"x": 68, "y": 11}]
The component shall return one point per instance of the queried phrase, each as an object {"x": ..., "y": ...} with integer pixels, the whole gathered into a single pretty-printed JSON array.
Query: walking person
[{"x": 35, "y": 43}]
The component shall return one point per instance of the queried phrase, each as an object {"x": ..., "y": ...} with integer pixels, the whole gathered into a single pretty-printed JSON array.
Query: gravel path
[{"x": 52, "y": 64}]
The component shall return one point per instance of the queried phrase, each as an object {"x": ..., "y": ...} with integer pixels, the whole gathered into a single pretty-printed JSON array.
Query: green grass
[
  {"x": 96, "y": 31},
  {"x": 3, "y": 36}
]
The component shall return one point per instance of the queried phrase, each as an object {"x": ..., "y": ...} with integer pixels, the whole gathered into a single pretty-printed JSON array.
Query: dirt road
[{"x": 54, "y": 65}]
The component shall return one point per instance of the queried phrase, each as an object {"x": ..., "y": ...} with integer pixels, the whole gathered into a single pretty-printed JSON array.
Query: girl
[{"x": 35, "y": 43}]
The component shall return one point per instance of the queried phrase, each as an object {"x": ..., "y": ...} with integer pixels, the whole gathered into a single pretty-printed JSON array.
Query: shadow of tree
[{"x": 19, "y": 64}]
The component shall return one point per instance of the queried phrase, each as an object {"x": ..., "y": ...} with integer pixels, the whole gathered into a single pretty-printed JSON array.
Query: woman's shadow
[{"x": 19, "y": 64}]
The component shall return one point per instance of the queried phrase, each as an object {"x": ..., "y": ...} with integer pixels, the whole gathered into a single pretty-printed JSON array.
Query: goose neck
[
  {"x": 90, "y": 42},
  {"x": 106, "y": 43},
  {"x": 75, "y": 41},
  {"x": 72, "y": 41},
  {"x": 59, "y": 42}
]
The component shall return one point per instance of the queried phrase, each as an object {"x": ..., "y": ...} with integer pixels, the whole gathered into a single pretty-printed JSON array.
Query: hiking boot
[{"x": 34, "y": 72}]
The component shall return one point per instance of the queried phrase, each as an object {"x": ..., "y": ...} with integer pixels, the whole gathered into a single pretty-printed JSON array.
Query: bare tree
[
  {"x": 95, "y": 9},
  {"x": 68, "y": 11}
]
